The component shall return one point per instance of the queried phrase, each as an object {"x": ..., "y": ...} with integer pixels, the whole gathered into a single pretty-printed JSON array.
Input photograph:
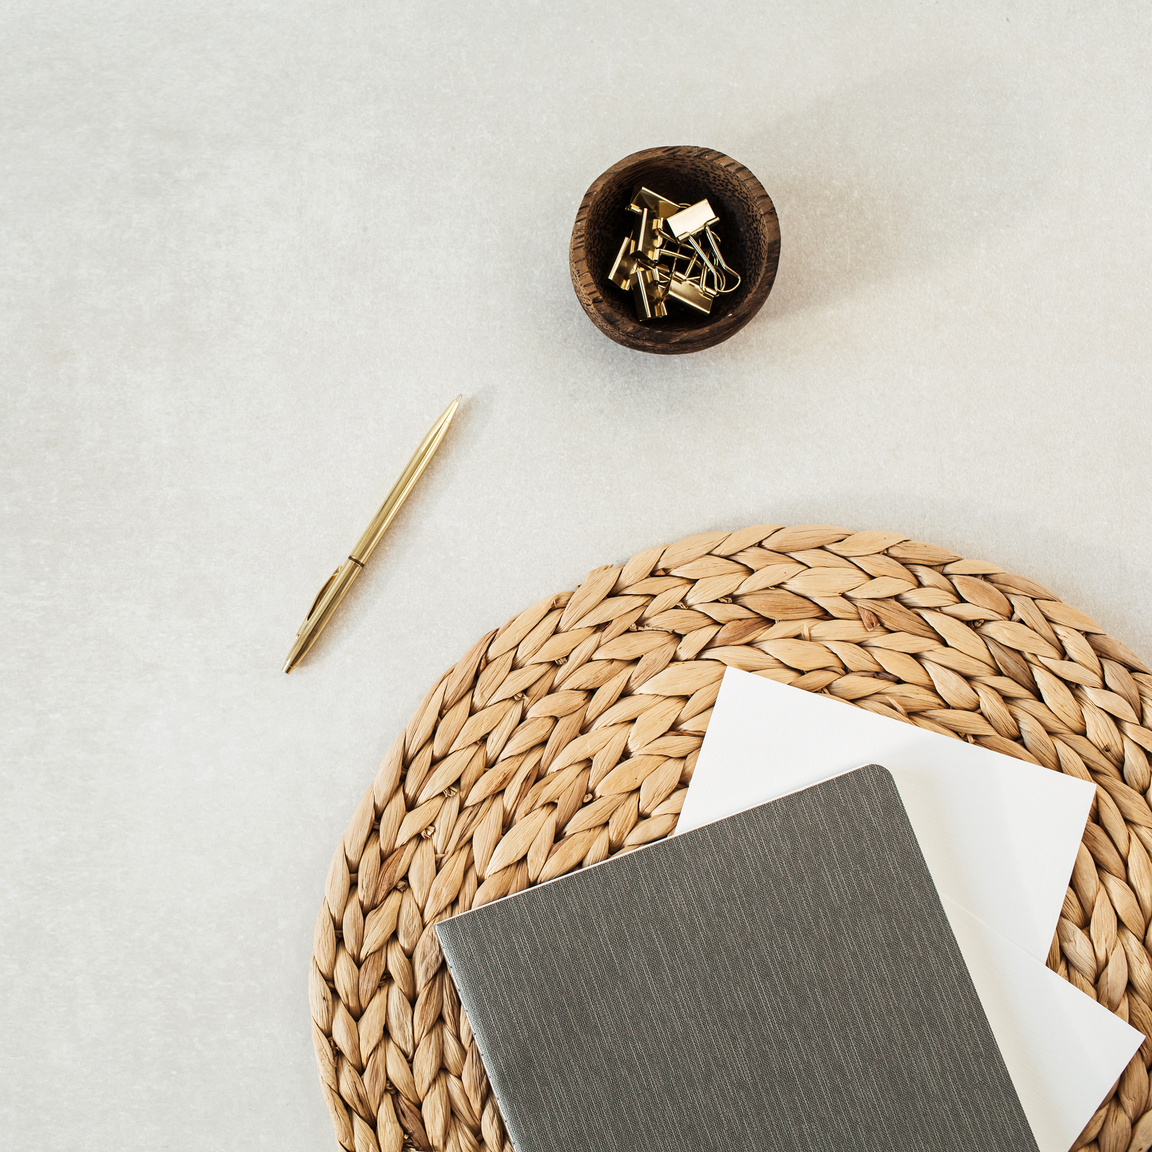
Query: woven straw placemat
[{"x": 570, "y": 734}]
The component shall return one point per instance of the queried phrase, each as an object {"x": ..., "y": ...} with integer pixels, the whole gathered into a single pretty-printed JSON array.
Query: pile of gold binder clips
[{"x": 666, "y": 259}]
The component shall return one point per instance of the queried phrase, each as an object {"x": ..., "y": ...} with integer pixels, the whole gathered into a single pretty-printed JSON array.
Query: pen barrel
[
  {"x": 371, "y": 536},
  {"x": 415, "y": 468}
]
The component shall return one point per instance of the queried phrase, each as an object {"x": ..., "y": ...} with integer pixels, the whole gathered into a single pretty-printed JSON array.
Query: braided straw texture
[{"x": 570, "y": 734}]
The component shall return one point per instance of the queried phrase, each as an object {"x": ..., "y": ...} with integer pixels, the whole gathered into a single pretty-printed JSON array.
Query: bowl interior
[{"x": 741, "y": 231}]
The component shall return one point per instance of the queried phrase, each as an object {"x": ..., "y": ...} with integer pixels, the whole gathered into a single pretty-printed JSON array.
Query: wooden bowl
[{"x": 748, "y": 231}]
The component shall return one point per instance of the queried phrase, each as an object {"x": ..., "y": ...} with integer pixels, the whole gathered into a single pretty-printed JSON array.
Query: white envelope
[
  {"x": 999, "y": 836},
  {"x": 1062, "y": 1050}
]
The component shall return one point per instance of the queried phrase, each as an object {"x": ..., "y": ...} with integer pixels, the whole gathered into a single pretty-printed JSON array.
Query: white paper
[
  {"x": 999, "y": 834},
  {"x": 1062, "y": 1049},
  {"x": 983, "y": 822}
]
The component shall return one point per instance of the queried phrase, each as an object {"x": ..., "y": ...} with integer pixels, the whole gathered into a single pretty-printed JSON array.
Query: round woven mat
[{"x": 569, "y": 735}]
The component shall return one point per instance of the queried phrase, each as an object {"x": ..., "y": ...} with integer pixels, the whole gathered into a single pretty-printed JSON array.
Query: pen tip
[{"x": 448, "y": 413}]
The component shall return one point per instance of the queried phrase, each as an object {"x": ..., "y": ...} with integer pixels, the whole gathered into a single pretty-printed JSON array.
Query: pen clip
[{"x": 320, "y": 596}]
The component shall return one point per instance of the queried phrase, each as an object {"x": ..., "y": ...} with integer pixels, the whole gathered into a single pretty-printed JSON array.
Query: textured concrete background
[{"x": 250, "y": 251}]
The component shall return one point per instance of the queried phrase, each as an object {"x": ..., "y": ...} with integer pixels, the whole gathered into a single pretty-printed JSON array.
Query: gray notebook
[{"x": 784, "y": 979}]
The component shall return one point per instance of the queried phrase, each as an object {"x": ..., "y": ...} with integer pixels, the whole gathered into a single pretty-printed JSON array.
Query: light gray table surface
[{"x": 251, "y": 250}]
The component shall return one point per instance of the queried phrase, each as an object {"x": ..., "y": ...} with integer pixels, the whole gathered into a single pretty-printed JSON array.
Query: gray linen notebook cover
[{"x": 782, "y": 979}]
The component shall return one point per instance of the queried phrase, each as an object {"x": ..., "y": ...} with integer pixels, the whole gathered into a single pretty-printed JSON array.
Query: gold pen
[{"x": 344, "y": 576}]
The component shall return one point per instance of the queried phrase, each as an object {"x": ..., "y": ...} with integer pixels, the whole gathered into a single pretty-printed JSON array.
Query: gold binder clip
[
  {"x": 645, "y": 295},
  {"x": 690, "y": 293},
  {"x": 654, "y": 202},
  {"x": 666, "y": 258},
  {"x": 691, "y": 220},
  {"x": 649, "y": 238},
  {"x": 715, "y": 246},
  {"x": 624, "y": 266}
]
